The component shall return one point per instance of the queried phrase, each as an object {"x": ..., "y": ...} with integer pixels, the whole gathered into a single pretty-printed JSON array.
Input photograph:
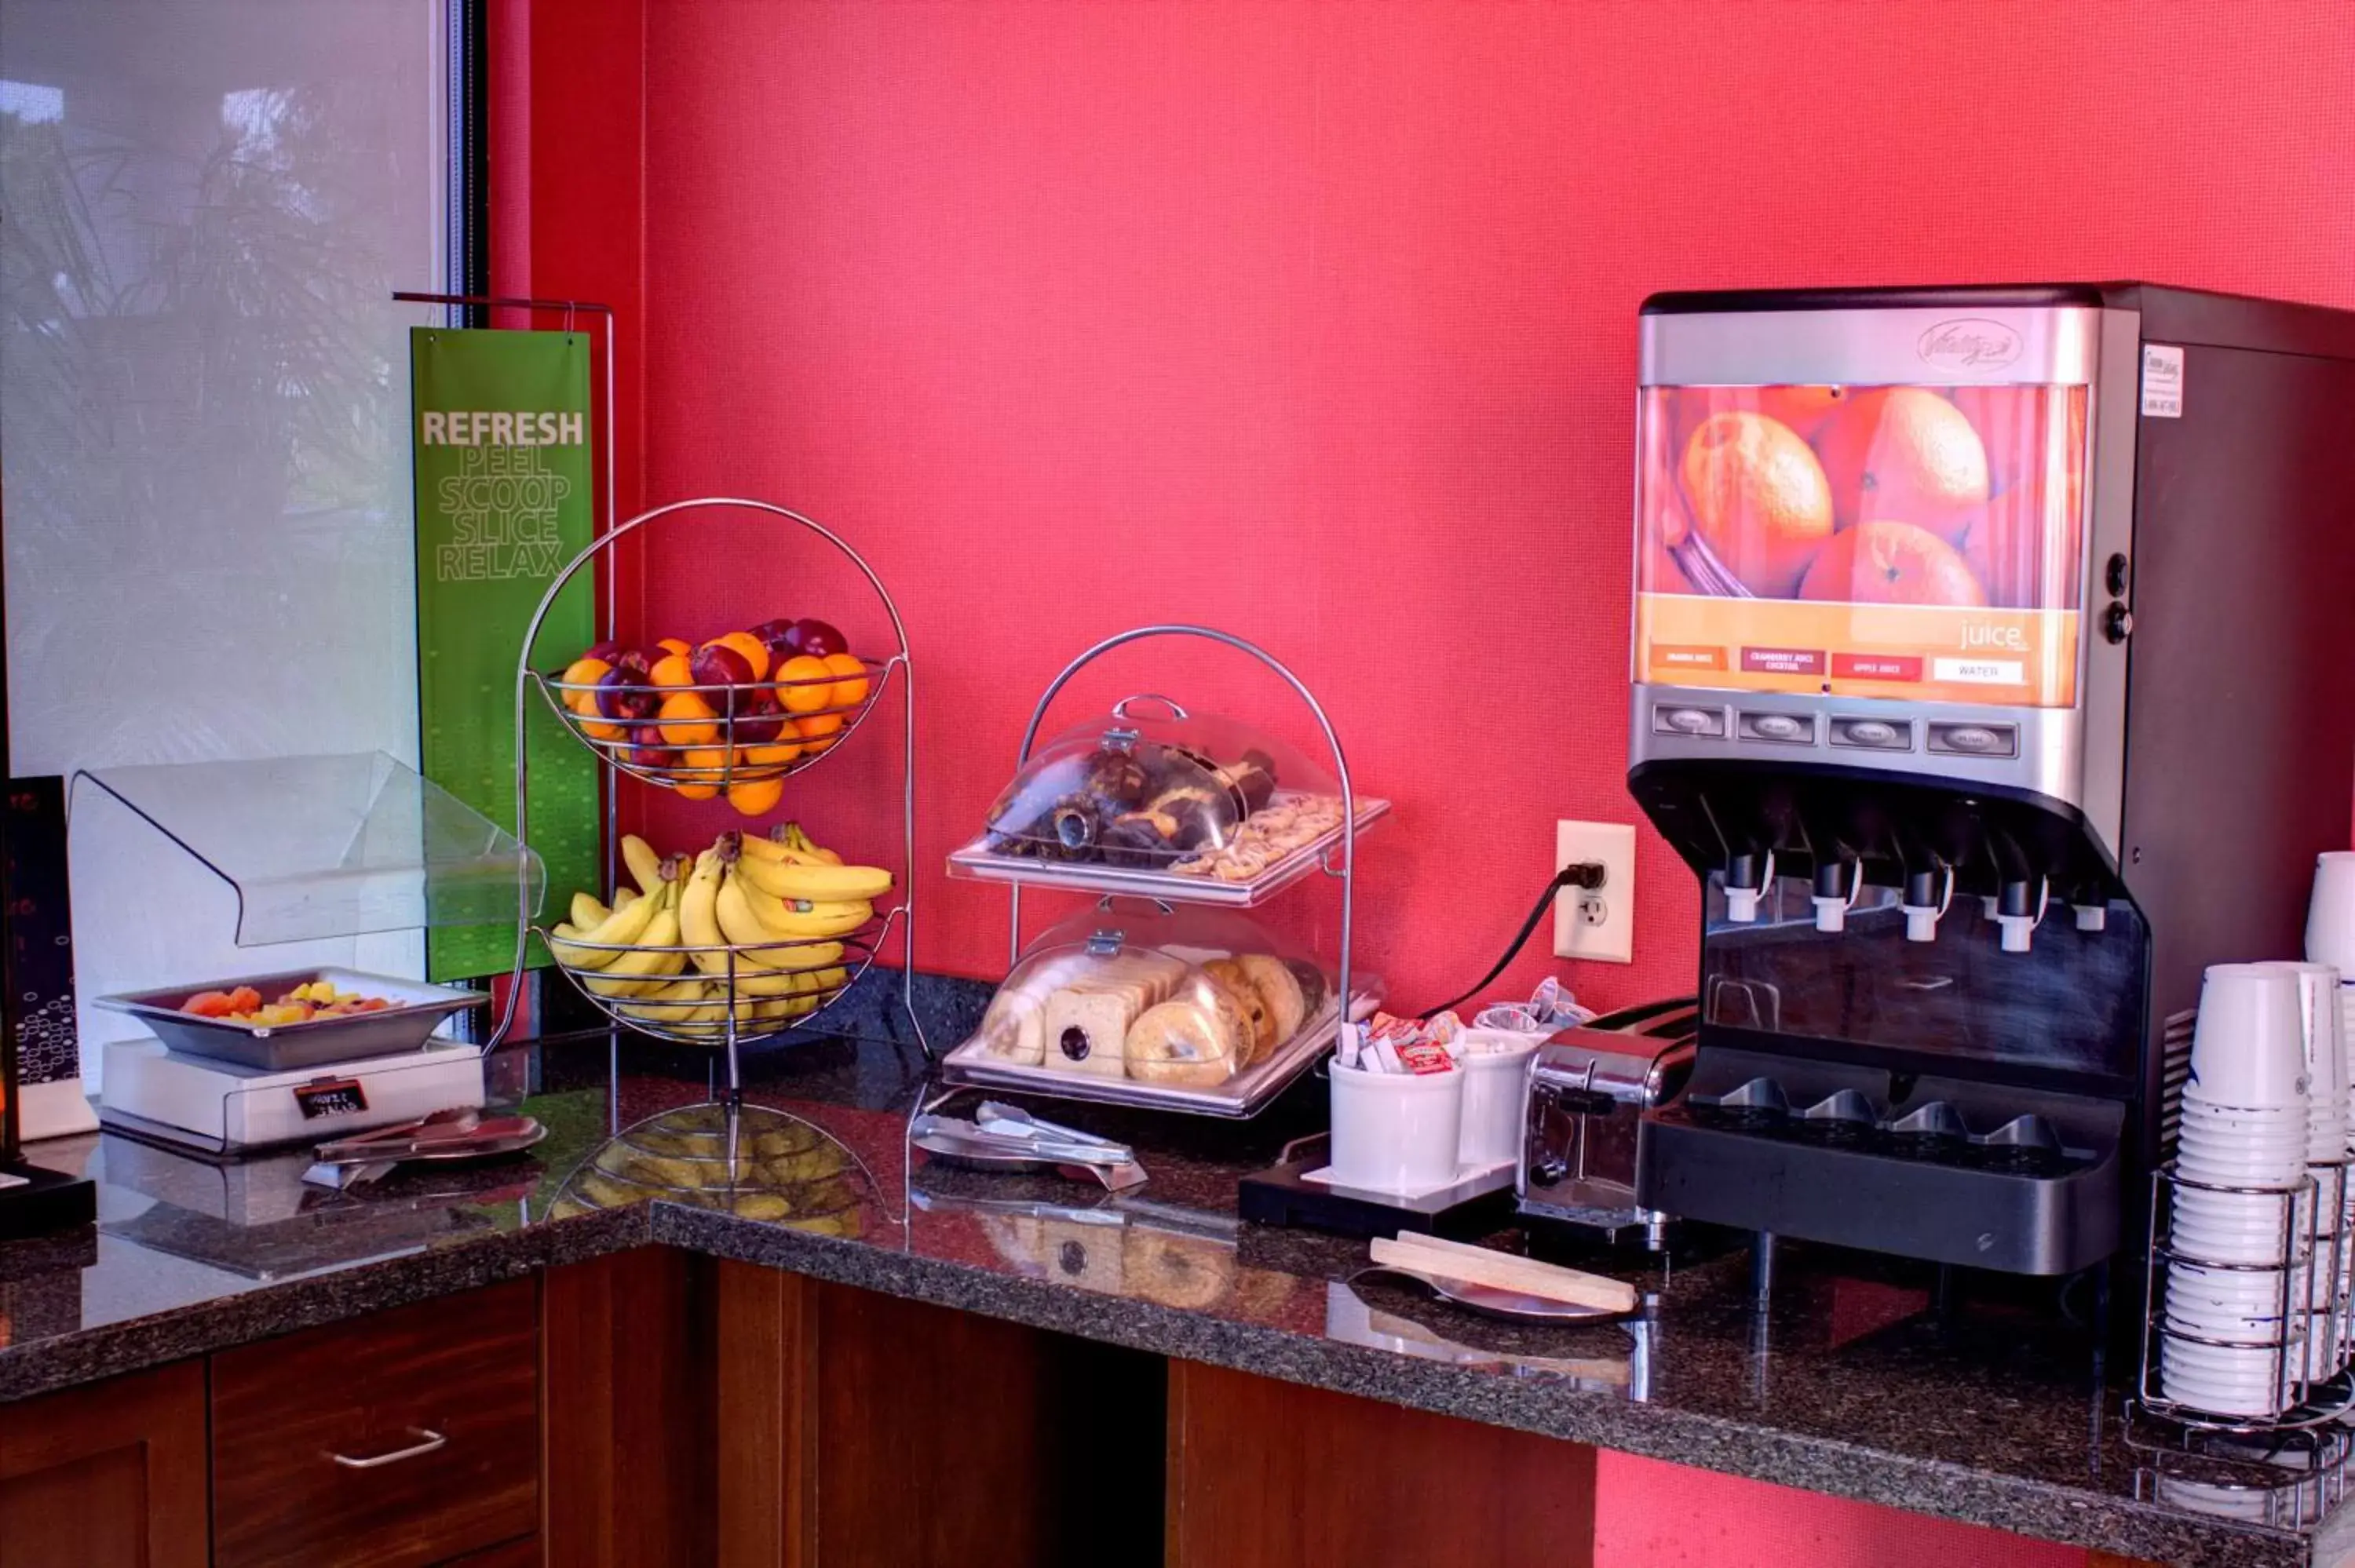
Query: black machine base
[
  {"x": 1949, "y": 1172},
  {"x": 46, "y": 1204}
]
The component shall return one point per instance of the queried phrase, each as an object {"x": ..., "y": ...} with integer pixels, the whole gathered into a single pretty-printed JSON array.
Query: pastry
[
  {"x": 1263, "y": 1035},
  {"x": 1313, "y": 984},
  {"x": 1086, "y": 1020},
  {"x": 1193, "y": 1042},
  {"x": 1285, "y": 1002}
]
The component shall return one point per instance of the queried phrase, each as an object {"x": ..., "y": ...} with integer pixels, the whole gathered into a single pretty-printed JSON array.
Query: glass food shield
[
  {"x": 1150, "y": 787},
  {"x": 1136, "y": 992},
  {"x": 1909, "y": 543}
]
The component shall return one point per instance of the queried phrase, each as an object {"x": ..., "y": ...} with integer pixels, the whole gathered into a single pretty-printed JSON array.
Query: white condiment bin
[
  {"x": 1396, "y": 1132},
  {"x": 1494, "y": 1065}
]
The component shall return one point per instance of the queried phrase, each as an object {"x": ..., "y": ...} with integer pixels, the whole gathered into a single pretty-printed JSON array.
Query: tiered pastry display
[
  {"x": 1192, "y": 1009},
  {"x": 1201, "y": 809}
]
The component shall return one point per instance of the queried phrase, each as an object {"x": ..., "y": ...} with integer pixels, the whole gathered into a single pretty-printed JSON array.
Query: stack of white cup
[
  {"x": 2331, "y": 939},
  {"x": 2247, "y": 1125},
  {"x": 2326, "y": 1156}
]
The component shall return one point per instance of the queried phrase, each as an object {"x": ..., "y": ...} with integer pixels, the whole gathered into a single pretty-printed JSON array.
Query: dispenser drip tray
[
  {"x": 1938, "y": 1133},
  {"x": 1961, "y": 1173}
]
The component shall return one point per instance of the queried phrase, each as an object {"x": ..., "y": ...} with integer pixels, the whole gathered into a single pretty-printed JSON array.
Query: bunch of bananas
[{"x": 747, "y": 934}]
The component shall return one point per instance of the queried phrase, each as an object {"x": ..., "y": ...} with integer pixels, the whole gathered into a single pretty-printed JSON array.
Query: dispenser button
[
  {"x": 1689, "y": 720},
  {"x": 1786, "y": 728},
  {"x": 1975, "y": 739},
  {"x": 1877, "y": 733}
]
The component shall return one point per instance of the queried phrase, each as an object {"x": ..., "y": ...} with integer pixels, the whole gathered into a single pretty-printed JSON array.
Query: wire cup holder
[
  {"x": 2306, "y": 1348},
  {"x": 748, "y": 992}
]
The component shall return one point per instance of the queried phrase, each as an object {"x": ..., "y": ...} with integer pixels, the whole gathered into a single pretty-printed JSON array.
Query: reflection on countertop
[{"x": 1996, "y": 1408}]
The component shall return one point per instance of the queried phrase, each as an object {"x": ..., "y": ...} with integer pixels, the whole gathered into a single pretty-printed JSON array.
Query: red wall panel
[{"x": 1316, "y": 323}]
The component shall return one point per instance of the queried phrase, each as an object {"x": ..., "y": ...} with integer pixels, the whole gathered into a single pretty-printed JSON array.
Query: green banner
[{"x": 504, "y": 500}]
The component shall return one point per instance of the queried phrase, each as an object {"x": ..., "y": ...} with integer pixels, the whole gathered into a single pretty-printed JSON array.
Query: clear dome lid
[
  {"x": 1134, "y": 990},
  {"x": 1151, "y": 786}
]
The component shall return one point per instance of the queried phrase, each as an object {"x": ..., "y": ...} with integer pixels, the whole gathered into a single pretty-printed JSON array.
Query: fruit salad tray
[{"x": 298, "y": 1018}]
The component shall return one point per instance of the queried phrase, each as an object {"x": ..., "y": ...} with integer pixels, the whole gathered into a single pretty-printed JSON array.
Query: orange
[
  {"x": 671, "y": 670},
  {"x": 1759, "y": 497},
  {"x": 804, "y": 685},
  {"x": 672, "y": 645},
  {"x": 598, "y": 729},
  {"x": 851, "y": 690},
  {"x": 581, "y": 673},
  {"x": 755, "y": 652},
  {"x": 1884, "y": 562},
  {"x": 751, "y": 797},
  {"x": 818, "y": 731},
  {"x": 701, "y": 771},
  {"x": 684, "y": 716},
  {"x": 1804, "y": 408},
  {"x": 1904, "y": 454},
  {"x": 767, "y": 761}
]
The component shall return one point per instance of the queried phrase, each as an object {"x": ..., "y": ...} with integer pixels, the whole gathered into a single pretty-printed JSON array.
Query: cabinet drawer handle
[{"x": 431, "y": 1440}]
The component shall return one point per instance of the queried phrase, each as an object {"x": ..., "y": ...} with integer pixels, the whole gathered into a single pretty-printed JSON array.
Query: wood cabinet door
[
  {"x": 395, "y": 1441},
  {"x": 1270, "y": 1474},
  {"x": 107, "y": 1476},
  {"x": 857, "y": 1428}
]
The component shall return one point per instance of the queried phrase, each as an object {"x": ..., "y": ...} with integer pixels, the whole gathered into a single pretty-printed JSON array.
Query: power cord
[{"x": 1586, "y": 875}]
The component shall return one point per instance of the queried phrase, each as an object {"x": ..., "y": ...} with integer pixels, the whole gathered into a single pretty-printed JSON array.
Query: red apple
[
  {"x": 759, "y": 719},
  {"x": 609, "y": 650},
  {"x": 717, "y": 664},
  {"x": 623, "y": 692},
  {"x": 813, "y": 636},
  {"x": 771, "y": 630}
]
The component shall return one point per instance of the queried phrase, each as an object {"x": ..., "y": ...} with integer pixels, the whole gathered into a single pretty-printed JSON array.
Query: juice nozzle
[
  {"x": 1746, "y": 877},
  {"x": 1928, "y": 896},
  {"x": 1839, "y": 884}
]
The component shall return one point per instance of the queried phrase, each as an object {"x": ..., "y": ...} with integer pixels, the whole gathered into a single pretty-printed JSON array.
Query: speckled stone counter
[{"x": 1994, "y": 1407}]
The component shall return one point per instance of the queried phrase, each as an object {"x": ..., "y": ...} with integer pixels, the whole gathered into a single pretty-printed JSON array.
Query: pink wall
[{"x": 1317, "y": 321}]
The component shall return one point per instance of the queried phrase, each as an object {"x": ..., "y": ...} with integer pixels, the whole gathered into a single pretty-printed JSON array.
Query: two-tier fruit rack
[{"x": 726, "y": 995}]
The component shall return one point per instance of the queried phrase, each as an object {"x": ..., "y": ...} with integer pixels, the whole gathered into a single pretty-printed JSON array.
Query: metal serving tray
[
  {"x": 416, "y": 1011},
  {"x": 1244, "y": 1095},
  {"x": 979, "y": 863}
]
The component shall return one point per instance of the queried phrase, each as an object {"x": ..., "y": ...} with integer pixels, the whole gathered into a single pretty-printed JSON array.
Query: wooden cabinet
[
  {"x": 1270, "y": 1474},
  {"x": 400, "y": 1440},
  {"x": 110, "y": 1476},
  {"x": 858, "y": 1428},
  {"x": 626, "y": 1413}
]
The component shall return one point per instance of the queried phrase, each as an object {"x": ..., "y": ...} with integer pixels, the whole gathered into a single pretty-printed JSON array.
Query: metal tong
[{"x": 1008, "y": 1135}]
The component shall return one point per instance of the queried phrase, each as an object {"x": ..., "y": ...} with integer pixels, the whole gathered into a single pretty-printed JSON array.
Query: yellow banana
[
  {"x": 651, "y": 963},
  {"x": 684, "y": 1002},
  {"x": 815, "y": 882},
  {"x": 775, "y": 848},
  {"x": 794, "y": 922},
  {"x": 699, "y": 918},
  {"x": 745, "y": 924},
  {"x": 619, "y": 929},
  {"x": 796, "y": 839},
  {"x": 645, "y": 866},
  {"x": 587, "y": 912}
]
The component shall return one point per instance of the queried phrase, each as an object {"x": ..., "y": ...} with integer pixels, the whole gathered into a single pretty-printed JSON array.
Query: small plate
[{"x": 1491, "y": 1302}]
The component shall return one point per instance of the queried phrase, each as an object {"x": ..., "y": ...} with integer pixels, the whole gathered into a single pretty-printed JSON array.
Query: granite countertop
[{"x": 1994, "y": 1406}]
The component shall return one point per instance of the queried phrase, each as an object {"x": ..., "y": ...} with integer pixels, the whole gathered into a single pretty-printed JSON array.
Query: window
[{"x": 204, "y": 462}]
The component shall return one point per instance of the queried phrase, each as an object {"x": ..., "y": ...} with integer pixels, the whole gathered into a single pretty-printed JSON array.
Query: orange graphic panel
[{"x": 1876, "y": 541}]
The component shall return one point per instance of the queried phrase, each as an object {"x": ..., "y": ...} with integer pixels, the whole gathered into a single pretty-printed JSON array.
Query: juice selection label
[{"x": 1903, "y": 542}]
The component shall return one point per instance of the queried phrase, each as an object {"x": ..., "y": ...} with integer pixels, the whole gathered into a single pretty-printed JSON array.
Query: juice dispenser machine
[{"x": 1993, "y": 670}]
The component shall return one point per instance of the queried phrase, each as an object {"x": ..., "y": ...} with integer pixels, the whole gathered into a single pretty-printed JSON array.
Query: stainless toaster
[{"x": 1582, "y": 1112}]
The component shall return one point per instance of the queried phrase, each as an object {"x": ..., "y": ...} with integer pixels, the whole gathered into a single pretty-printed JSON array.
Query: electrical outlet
[{"x": 1596, "y": 923}]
